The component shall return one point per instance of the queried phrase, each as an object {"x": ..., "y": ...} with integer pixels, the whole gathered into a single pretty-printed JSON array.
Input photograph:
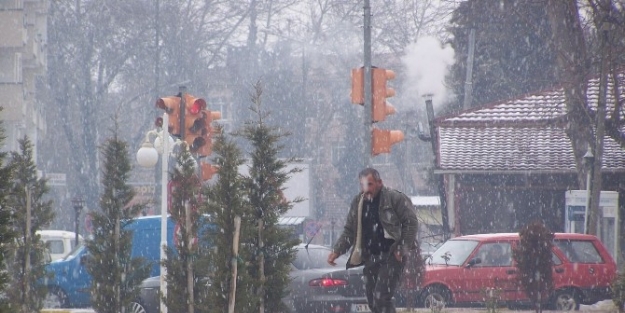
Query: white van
[{"x": 59, "y": 242}]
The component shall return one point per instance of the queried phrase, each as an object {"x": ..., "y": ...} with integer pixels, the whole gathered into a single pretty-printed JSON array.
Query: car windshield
[
  {"x": 74, "y": 252},
  {"x": 452, "y": 252},
  {"x": 313, "y": 258}
]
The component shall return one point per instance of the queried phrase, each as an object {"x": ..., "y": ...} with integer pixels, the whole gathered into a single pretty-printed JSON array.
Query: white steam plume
[{"x": 427, "y": 63}]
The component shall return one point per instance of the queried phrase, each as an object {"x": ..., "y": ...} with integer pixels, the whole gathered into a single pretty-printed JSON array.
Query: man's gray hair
[{"x": 369, "y": 171}]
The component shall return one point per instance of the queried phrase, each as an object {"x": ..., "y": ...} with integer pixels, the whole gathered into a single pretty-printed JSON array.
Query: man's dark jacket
[{"x": 397, "y": 217}]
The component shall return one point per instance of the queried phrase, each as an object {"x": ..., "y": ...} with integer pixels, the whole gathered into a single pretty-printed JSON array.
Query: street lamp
[
  {"x": 147, "y": 156},
  {"x": 589, "y": 161},
  {"x": 78, "y": 204}
]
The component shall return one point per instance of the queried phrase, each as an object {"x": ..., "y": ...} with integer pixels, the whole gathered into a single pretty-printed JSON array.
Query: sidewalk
[{"x": 604, "y": 307}]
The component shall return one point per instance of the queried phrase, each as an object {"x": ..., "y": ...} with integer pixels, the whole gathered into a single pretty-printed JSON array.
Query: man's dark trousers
[{"x": 382, "y": 273}]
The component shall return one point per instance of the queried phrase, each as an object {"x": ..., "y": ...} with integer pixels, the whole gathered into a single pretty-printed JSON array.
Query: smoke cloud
[{"x": 427, "y": 63}]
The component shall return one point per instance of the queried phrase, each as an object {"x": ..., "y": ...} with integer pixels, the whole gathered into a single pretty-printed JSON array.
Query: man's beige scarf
[{"x": 356, "y": 258}]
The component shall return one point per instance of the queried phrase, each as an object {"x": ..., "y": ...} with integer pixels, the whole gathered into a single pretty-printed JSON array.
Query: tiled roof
[
  {"x": 517, "y": 135},
  {"x": 539, "y": 106}
]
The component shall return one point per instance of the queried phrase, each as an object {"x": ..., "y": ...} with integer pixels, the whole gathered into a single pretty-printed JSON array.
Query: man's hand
[
  {"x": 331, "y": 257},
  {"x": 398, "y": 256}
]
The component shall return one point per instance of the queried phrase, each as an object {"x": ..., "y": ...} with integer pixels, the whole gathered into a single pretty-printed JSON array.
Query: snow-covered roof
[{"x": 521, "y": 134}]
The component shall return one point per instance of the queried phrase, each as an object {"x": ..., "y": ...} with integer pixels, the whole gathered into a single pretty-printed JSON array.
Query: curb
[{"x": 66, "y": 311}]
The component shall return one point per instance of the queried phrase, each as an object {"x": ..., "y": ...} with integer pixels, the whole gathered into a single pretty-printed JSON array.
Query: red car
[{"x": 470, "y": 269}]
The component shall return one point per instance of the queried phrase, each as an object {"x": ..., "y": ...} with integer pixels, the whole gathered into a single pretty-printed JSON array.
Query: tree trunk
[
  {"x": 189, "y": 240},
  {"x": 572, "y": 70},
  {"x": 27, "y": 248},
  {"x": 261, "y": 265},
  {"x": 594, "y": 215},
  {"x": 235, "y": 256},
  {"x": 118, "y": 297}
]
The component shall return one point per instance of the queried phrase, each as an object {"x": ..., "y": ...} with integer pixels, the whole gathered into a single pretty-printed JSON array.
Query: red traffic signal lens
[{"x": 195, "y": 107}]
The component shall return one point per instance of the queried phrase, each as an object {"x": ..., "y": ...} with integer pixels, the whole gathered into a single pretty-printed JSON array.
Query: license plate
[{"x": 360, "y": 308}]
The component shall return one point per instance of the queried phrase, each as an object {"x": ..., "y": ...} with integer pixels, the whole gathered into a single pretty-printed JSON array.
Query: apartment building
[{"x": 23, "y": 25}]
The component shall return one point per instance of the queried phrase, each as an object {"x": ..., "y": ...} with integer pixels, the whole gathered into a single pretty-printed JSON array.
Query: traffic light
[
  {"x": 380, "y": 108},
  {"x": 208, "y": 131},
  {"x": 208, "y": 170},
  {"x": 358, "y": 86},
  {"x": 171, "y": 105},
  {"x": 383, "y": 139},
  {"x": 379, "y": 78},
  {"x": 194, "y": 122}
]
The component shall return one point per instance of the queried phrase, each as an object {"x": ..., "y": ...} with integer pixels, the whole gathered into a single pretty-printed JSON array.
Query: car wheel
[
  {"x": 55, "y": 299},
  {"x": 136, "y": 307},
  {"x": 436, "y": 298},
  {"x": 566, "y": 300}
]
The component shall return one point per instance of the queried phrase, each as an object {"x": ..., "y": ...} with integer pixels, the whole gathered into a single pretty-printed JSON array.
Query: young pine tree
[
  {"x": 227, "y": 199},
  {"x": 116, "y": 275},
  {"x": 6, "y": 232},
  {"x": 30, "y": 214},
  {"x": 272, "y": 247},
  {"x": 181, "y": 278},
  {"x": 533, "y": 260}
]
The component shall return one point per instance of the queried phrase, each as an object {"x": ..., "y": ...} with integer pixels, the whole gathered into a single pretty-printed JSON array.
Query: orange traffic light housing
[
  {"x": 208, "y": 170},
  {"x": 208, "y": 131},
  {"x": 171, "y": 105},
  {"x": 194, "y": 122},
  {"x": 383, "y": 139},
  {"x": 380, "y": 108},
  {"x": 358, "y": 86}
]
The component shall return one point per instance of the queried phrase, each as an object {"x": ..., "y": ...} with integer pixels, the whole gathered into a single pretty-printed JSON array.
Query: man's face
[{"x": 370, "y": 186}]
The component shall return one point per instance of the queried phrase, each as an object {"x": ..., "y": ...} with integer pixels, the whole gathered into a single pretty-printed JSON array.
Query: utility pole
[{"x": 368, "y": 116}]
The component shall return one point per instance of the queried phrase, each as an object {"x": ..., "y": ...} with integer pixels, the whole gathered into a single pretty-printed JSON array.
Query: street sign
[{"x": 311, "y": 228}]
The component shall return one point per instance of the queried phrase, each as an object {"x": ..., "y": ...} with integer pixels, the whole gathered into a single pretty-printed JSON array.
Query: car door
[
  {"x": 584, "y": 263},
  {"x": 494, "y": 277}
]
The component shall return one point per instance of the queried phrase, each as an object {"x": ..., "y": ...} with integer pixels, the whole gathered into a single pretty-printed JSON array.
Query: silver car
[{"x": 315, "y": 286}]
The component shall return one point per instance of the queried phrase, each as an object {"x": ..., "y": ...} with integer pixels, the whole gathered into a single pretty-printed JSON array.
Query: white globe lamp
[{"x": 147, "y": 156}]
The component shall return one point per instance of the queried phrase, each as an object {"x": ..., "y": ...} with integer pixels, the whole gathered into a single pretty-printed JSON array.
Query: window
[
  {"x": 338, "y": 150},
  {"x": 495, "y": 254},
  {"x": 56, "y": 246},
  {"x": 453, "y": 252},
  {"x": 579, "y": 251},
  {"x": 555, "y": 259}
]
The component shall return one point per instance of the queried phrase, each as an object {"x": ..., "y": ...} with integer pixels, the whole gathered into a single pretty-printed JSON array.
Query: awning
[
  {"x": 425, "y": 200},
  {"x": 291, "y": 220}
]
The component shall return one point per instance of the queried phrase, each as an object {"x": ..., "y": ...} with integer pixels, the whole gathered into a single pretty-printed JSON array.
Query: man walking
[{"x": 381, "y": 229}]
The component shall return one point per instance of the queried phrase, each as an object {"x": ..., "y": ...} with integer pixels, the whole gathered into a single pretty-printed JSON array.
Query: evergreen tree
[
  {"x": 513, "y": 54},
  {"x": 533, "y": 259},
  {"x": 30, "y": 213},
  {"x": 6, "y": 232},
  {"x": 116, "y": 275},
  {"x": 272, "y": 248},
  {"x": 181, "y": 277},
  {"x": 227, "y": 198}
]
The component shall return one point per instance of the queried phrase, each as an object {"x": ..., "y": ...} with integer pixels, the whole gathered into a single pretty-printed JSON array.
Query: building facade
[{"x": 22, "y": 67}]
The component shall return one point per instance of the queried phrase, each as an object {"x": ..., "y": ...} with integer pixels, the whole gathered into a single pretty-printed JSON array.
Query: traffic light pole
[{"x": 368, "y": 116}]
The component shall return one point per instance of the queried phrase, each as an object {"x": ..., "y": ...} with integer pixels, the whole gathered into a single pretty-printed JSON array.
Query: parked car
[
  {"x": 71, "y": 283},
  {"x": 59, "y": 242},
  {"x": 463, "y": 269},
  {"x": 315, "y": 285}
]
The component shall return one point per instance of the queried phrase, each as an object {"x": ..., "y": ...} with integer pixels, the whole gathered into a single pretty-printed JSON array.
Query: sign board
[
  {"x": 297, "y": 186},
  {"x": 311, "y": 228},
  {"x": 575, "y": 216}
]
